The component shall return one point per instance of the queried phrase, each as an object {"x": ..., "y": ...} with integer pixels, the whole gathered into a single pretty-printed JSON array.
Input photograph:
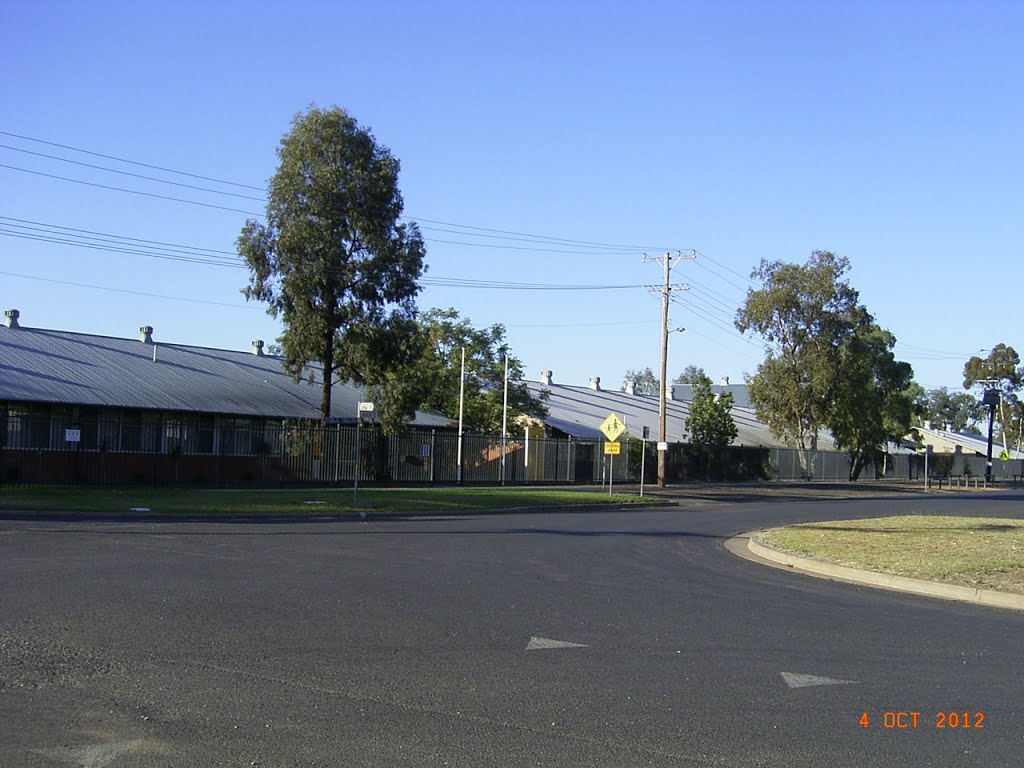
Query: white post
[
  {"x": 355, "y": 484},
  {"x": 526, "y": 455},
  {"x": 504, "y": 422},
  {"x": 462, "y": 393}
]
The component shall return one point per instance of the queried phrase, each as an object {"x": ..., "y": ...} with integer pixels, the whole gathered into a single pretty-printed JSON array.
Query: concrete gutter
[{"x": 757, "y": 551}]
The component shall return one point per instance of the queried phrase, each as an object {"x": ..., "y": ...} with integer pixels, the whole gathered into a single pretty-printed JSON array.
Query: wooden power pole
[{"x": 666, "y": 290}]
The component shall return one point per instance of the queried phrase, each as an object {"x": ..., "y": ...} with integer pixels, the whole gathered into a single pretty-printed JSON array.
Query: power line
[
  {"x": 44, "y": 227},
  {"x": 521, "y": 248},
  {"x": 580, "y": 325},
  {"x": 113, "y": 249},
  {"x": 259, "y": 215},
  {"x": 631, "y": 248},
  {"x": 134, "y": 175},
  {"x": 721, "y": 277},
  {"x": 130, "y": 191},
  {"x": 130, "y": 162},
  {"x": 548, "y": 239},
  {"x": 457, "y": 282},
  {"x": 726, "y": 267},
  {"x": 133, "y": 293},
  {"x": 524, "y": 240},
  {"x": 114, "y": 246},
  {"x": 703, "y": 313}
]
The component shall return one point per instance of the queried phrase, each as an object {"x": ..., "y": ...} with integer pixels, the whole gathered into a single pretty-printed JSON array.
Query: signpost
[
  {"x": 643, "y": 457},
  {"x": 360, "y": 410},
  {"x": 612, "y": 427}
]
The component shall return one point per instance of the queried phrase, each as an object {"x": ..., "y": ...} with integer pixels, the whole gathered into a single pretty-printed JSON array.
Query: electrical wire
[
  {"x": 130, "y": 162},
  {"x": 130, "y": 191},
  {"x": 133, "y": 293},
  {"x": 494, "y": 232},
  {"x": 113, "y": 246},
  {"x": 134, "y": 175}
]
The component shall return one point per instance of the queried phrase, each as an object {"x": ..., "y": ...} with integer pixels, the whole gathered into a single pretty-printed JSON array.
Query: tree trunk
[
  {"x": 328, "y": 363},
  {"x": 858, "y": 461}
]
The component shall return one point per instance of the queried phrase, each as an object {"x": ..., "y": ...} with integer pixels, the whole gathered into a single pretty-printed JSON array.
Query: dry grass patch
[{"x": 969, "y": 551}]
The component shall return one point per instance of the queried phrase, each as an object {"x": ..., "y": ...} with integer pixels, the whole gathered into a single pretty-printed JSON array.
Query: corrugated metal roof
[
  {"x": 44, "y": 366},
  {"x": 740, "y": 393},
  {"x": 579, "y": 411},
  {"x": 972, "y": 442}
]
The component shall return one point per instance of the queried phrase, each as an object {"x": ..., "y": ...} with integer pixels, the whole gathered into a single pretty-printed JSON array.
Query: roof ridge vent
[
  {"x": 146, "y": 334},
  {"x": 11, "y": 318}
]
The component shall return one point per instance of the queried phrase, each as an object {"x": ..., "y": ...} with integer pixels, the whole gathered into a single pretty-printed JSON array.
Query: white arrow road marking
[
  {"x": 794, "y": 680},
  {"x": 91, "y": 756},
  {"x": 542, "y": 643}
]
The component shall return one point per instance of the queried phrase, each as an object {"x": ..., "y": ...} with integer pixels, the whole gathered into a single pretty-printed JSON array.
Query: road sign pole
[
  {"x": 643, "y": 457},
  {"x": 355, "y": 482},
  {"x": 611, "y": 470}
]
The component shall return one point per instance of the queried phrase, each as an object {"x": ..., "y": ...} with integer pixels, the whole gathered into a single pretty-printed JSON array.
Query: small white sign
[
  {"x": 662, "y": 446},
  {"x": 424, "y": 450},
  {"x": 365, "y": 407},
  {"x": 73, "y": 435}
]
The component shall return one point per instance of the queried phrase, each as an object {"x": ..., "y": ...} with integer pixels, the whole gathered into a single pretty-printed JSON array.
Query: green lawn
[
  {"x": 293, "y": 501},
  {"x": 969, "y": 551}
]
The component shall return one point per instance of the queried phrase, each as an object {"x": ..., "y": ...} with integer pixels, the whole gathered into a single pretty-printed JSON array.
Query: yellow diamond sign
[{"x": 613, "y": 427}]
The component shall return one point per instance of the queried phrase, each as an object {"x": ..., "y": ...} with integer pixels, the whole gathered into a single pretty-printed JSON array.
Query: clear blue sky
[{"x": 888, "y": 132}]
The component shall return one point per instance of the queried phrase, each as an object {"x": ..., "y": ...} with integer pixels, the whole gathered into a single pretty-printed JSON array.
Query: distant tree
[
  {"x": 1002, "y": 367},
  {"x": 873, "y": 402},
  {"x": 829, "y": 364},
  {"x": 958, "y": 409},
  {"x": 334, "y": 260},
  {"x": 646, "y": 382},
  {"x": 710, "y": 422},
  {"x": 431, "y": 381},
  {"x": 804, "y": 312},
  {"x": 691, "y": 375}
]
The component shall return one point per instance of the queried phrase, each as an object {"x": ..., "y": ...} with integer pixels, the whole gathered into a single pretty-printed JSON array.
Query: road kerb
[{"x": 882, "y": 580}]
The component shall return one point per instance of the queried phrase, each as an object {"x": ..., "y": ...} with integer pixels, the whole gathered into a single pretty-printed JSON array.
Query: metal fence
[{"x": 263, "y": 453}]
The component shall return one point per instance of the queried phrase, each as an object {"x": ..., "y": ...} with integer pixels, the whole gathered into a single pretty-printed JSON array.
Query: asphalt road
[{"x": 428, "y": 643}]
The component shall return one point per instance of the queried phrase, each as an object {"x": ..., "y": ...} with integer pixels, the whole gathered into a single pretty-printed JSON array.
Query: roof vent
[
  {"x": 146, "y": 334},
  {"x": 545, "y": 378},
  {"x": 630, "y": 387},
  {"x": 11, "y": 318},
  {"x": 725, "y": 381},
  {"x": 257, "y": 347},
  {"x": 595, "y": 383}
]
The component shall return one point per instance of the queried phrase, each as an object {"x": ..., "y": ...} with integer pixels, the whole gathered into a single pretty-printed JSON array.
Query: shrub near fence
[{"x": 273, "y": 454}]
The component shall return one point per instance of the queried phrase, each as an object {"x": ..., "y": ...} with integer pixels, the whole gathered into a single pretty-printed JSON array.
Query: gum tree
[{"x": 333, "y": 259}]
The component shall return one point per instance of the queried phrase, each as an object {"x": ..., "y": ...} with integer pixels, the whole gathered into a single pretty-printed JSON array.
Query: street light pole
[
  {"x": 991, "y": 399},
  {"x": 504, "y": 422},
  {"x": 462, "y": 394}
]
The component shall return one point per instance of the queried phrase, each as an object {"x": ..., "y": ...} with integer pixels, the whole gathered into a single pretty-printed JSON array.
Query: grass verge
[
  {"x": 978, "y": 552},
  {"x": 292, "y": 501}
]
